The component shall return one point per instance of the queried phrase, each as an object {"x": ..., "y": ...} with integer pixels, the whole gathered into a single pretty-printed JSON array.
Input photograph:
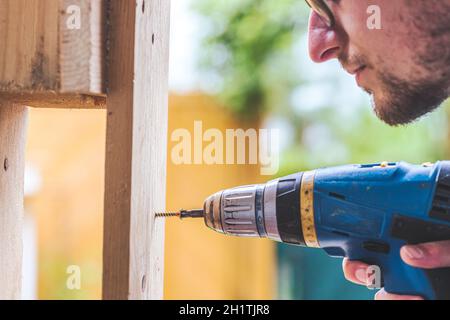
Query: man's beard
[{"x": 407, "y": 101}]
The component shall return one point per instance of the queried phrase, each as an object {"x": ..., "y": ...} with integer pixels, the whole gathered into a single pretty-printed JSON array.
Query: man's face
[{"x": 405, "y": 65}]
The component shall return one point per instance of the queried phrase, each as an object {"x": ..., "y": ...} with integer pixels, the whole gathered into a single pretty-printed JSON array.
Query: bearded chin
[{"x": 403, "y": 103}]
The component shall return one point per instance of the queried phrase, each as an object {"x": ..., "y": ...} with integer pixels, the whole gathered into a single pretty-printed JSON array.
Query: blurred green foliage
[
  {"x": 248, "y": 45},
  {"x": 368, "y": 140}
]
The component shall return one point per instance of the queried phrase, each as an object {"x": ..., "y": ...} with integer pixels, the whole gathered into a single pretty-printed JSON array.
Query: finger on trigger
[
  {"x": 355, "y": 271},
  {"x": 427, "y": 255}
]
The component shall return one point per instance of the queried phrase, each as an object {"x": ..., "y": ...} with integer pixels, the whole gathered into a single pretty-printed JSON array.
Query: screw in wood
[
  {"x": 167, "y": 214},
  {"x": 197, "y": 213}
]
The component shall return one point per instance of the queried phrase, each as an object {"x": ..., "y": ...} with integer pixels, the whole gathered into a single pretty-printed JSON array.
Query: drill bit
[{"x": 197, "y": 213}]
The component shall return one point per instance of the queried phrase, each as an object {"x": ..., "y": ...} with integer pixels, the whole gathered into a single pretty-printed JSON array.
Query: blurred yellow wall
[
  {"x": 201, "y": 264},
  {"x": 67, "y": 147}
]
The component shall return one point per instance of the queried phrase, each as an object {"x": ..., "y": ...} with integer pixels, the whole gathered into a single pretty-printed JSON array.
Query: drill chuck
[
  {"x": 247, "y": 211},
  {"x": 281, "y": 210}
]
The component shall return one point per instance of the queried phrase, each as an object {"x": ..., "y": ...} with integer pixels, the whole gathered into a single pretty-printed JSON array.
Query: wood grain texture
[
  {"x": 13, "y": 120},
  {"x": 54, "y": 100},
  {"x": 40, "y": 52},
  {"x": 82, "y": 51},
  {"x": 135, "y": 176}
]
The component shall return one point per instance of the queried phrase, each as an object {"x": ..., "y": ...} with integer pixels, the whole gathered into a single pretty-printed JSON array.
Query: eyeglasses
[{"x": 323, "y": 10}]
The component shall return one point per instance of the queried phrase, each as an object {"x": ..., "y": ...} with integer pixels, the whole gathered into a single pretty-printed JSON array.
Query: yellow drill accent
[{"x": 307, "y": 210}]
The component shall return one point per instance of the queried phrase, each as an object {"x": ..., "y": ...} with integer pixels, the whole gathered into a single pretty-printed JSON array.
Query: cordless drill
[{"x": 363, "y": 212}]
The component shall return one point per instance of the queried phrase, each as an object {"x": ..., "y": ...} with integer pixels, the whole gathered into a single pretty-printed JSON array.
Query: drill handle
[{"x": 397, "y": 277}]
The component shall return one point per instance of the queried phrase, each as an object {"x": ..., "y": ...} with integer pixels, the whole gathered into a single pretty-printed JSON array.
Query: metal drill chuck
[
  {"x": 281, "y": 210},
  {"x": 247, "y": 211}
]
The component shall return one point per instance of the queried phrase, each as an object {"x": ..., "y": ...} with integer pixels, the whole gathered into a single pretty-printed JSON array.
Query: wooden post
[
  {"x": 12, "y": 149},
  {"x": 137, "y": 108},
  {"x": 47, "y": 64}
]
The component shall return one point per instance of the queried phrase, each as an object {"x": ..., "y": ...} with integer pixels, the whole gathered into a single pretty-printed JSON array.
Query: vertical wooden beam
[
  {"x": 135, "y": 179},
  {"x": 12, "y": 148}
]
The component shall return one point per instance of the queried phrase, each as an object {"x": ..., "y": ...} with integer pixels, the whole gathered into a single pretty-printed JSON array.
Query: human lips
[
  {"x": 358, "y": 75},
  {"x": 357, "y": 72}
]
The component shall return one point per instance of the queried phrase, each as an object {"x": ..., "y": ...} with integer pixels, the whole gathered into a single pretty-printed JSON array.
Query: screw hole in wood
[{"x": 144, "y": 282}]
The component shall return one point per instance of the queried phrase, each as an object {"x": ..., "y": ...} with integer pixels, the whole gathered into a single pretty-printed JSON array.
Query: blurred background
[{"x": 234, "y": 64}]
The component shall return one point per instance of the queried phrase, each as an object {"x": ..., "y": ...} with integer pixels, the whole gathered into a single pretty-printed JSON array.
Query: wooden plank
[
  {"x": 44, "y": 50},
  {"x": 135, "y": 179},
  {"x": 12, "y": 148},
  {"x": 54, "y": 100}
]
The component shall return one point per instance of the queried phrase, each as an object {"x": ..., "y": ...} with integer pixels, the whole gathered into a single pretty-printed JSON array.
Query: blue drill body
[
  {"x": 368, "y": 212},
  {"x": 362, "y": 212}
]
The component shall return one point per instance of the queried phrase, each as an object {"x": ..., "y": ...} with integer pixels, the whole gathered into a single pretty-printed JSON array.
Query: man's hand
[{"x": 427, "y": 256}]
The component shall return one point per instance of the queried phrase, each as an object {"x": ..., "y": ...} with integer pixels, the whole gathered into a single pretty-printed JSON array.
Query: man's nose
[{"x": 323, "y": 40}]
